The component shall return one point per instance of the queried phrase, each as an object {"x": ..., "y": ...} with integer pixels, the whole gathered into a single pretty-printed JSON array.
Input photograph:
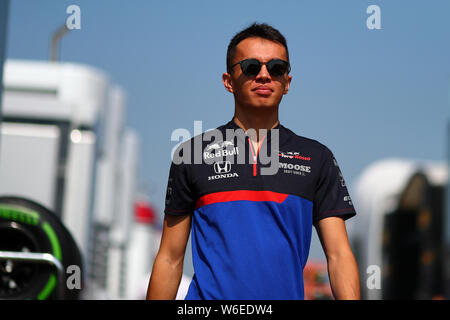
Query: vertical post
[
  {"x": 54, "y": 45},
  {"x": 4, "y": 9}
]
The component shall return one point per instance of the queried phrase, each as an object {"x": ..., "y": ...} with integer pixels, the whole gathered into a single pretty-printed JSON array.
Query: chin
[
  {"x": 265, "y": 103},
  {"x": 263, "y": 106}
]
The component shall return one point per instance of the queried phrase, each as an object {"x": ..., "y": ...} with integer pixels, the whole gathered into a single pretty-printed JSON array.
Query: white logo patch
[{"x": 222, "y": 170}]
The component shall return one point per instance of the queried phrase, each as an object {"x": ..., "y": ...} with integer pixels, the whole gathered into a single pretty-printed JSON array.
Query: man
[{"x": 251, "y": 232}]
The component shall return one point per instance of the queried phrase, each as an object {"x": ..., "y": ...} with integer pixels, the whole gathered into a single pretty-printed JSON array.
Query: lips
[{"x": 263, "y": 90}]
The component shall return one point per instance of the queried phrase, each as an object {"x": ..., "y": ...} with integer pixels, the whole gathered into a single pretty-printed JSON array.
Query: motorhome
[{"x": 68, "y": 183}]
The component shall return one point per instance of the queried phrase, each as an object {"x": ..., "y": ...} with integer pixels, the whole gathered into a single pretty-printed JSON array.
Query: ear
[
  {"x": 288, "y": 83},
  {"x": 226, "y": 79}
]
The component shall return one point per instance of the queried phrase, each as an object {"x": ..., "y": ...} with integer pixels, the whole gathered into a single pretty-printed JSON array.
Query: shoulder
[{"x": 312, "y": 146}]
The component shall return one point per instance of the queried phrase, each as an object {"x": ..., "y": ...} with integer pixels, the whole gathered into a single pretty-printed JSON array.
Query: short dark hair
[{"x": 261, "y": 30}]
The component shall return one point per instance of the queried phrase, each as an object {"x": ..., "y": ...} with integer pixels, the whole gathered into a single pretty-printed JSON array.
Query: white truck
[{"x": 68, "y": 185}]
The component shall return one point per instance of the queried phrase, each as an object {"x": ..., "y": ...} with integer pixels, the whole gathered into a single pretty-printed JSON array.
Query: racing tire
[{"x": 27, "y": 226}]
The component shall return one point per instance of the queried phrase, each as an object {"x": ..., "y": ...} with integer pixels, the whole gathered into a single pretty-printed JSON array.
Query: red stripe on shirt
[{"x": 250, "y": 195}]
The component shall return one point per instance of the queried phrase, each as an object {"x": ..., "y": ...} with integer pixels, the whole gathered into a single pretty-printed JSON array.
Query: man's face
[{"x": 262, "y": 90}]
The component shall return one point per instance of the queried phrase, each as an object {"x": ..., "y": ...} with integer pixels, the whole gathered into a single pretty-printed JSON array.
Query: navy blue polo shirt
[{"x": 251, "y": 232}]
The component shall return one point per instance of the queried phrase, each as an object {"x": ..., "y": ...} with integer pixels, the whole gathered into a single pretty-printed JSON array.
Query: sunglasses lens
[
  {"x": 277, "y": 68},
  {"x": 250, "y": 67}
]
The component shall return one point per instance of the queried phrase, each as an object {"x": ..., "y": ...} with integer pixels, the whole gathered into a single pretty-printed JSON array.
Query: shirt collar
[{"x": 233, "y": 125}]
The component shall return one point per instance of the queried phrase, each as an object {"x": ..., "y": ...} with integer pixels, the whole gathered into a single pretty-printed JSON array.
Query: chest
[{"x": 252, "y": 167}]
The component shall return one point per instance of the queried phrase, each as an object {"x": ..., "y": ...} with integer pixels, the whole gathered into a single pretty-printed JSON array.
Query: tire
[{"x": 30, "y": 227}]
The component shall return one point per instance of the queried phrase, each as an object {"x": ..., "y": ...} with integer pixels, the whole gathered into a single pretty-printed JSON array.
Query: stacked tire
[{"x": 26, "y": 226}]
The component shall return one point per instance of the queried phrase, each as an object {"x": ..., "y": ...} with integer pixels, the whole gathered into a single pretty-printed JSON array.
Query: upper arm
[
  {"x": 179, "y": 206},
  {"x": 174, "y": 237},
  {"x": 333, "y": 236}
]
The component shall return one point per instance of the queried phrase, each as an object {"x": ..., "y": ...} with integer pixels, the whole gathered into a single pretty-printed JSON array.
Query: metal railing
[{"x": 39, "y": 258}]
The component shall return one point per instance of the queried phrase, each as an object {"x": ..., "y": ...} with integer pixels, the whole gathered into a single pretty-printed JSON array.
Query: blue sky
[{"x": 366, "y": 94}]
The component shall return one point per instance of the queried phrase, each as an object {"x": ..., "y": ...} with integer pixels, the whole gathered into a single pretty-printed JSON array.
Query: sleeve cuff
[
  {"x": 343, "y": 213},
  {"x": 176, "y": 212}
]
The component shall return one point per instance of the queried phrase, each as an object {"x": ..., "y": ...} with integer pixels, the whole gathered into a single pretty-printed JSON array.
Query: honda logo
[{"x": 222, "y": 167}]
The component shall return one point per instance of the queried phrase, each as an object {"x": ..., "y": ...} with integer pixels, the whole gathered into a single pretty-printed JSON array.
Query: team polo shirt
[{"x": 251, "y": 232}]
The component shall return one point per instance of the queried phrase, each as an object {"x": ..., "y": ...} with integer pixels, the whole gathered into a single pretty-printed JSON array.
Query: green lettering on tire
[
  {"x": 48, "y": 288},
  {"x": 53, "y": 240},
  {"x": 58, "y": 255},
  {"x": 30, "y": 217},
  {"x": 20, "y": 215}
]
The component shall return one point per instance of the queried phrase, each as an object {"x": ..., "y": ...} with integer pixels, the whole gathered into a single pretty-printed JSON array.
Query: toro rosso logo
[{"x": 293, "y": 155}]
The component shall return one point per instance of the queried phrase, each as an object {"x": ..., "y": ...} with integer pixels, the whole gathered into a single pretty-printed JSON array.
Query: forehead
[{"x": 259, "y": 48}]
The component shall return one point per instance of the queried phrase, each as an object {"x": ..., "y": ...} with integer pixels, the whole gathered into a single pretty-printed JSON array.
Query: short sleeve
[
  {"x": 331, "y": 196},
  {"x": 179, "y": 194}
]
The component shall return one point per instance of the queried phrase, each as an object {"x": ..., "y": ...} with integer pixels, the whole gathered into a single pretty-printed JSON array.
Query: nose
[{"x": 263, "y": 73}]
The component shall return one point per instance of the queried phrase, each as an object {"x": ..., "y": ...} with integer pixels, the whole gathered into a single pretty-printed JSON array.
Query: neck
[{"x": 256, "y": 119}]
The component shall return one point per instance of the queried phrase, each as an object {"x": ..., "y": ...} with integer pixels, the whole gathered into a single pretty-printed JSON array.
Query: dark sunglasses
[{"x": 252, "y": 67}]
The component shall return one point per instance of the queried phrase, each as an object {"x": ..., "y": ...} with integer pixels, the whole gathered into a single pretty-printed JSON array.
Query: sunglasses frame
[{"x": 260, "y": 66}]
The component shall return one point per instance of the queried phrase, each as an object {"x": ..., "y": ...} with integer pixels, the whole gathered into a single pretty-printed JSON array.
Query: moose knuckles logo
[
  {"x": 294, "y": 168},
  {"x": 222, "y": 170}
]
